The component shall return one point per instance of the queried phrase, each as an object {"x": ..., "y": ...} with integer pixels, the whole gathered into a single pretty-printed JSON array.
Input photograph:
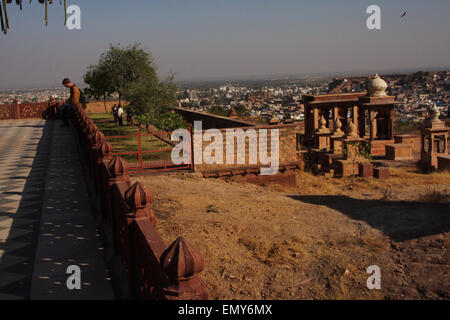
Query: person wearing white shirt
[{"x": 119, "y": 115}]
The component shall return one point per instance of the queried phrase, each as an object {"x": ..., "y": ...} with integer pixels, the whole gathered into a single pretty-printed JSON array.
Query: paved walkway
[{"x": 46, "y": 224}]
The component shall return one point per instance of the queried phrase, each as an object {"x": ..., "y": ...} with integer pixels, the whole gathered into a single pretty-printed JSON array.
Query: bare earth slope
[{"x": 314, "y": 241}]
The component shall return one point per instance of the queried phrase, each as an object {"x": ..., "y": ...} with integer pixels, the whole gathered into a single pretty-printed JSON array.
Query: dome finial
[{"x": 376, "y": 87}]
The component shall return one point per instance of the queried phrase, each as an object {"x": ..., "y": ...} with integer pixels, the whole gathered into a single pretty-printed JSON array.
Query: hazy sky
[{"x": 217, "y": 38}]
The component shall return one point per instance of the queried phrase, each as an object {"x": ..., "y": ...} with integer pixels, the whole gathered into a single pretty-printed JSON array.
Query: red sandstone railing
[
  {"x": 153, "y": 269},
  {"x": 34, "y": 110}
]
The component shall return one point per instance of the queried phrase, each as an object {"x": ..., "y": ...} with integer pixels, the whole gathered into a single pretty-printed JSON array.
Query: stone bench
[
  {"x": 381, "y": 173},
  {"x": 398, "y": 151}
]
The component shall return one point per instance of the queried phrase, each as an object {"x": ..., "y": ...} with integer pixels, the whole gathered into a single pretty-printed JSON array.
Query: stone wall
[
  {"x": 210, "y": 121},
  {"x": 287, "y": 150},
  {"x": 141, "y": 263},
  {"x": 35, "y": 110},
  {"x": 38, "y": 110}
]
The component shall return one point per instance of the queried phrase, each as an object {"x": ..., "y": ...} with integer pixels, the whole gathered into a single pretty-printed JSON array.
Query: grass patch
[
  {"x": 434, "y": 195},
  {"x": 123, "y": 144},
  {"x": 101, "y": 116}
]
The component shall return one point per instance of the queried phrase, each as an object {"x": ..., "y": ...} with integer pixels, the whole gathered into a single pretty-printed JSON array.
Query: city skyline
[{"x": 199, "y": 40}]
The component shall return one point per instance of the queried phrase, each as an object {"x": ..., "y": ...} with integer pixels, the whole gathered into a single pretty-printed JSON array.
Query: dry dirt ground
[{"x": 314, "y": 241}]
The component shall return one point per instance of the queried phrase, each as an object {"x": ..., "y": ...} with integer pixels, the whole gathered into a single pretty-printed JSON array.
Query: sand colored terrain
[{"x": 314, "y": 241}]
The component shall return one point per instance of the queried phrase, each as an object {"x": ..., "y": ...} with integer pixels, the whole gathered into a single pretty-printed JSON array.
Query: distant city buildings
[
  {"x": 413, "y": 92},
  {"x": 263, "y": 100}
]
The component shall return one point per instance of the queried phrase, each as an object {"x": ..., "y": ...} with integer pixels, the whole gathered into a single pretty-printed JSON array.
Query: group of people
[
  {"x": 118, "y": 112},
  {"x": 75, "y": 93}
]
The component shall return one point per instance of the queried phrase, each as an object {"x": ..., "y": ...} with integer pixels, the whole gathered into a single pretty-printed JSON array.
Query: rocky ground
[{"x": 315, "y": 240}]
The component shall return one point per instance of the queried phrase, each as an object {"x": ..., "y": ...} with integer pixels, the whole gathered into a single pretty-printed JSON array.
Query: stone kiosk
[
  {"x": 434, "y": 142},
  {"x": 365, "y": 116}
]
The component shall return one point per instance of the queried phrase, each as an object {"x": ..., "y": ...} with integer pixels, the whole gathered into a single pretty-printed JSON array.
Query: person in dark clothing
[
  {"x": 114, "y": 111},
  {"x": 129, "y": 117},
  {"x": 74, "y": 98}
]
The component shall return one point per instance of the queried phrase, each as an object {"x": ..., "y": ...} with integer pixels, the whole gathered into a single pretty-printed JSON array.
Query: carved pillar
[
  {"x": 391, "y": 124},
  {"x": 335, "y": 116},
  {"x": 315, "y": 118},
  {"x": 355, "y": 118},
  {"x": 373, "y": 124}
]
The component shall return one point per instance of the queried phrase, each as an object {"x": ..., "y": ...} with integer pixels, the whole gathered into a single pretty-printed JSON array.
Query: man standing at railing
[{"x": 73, "y": 99}]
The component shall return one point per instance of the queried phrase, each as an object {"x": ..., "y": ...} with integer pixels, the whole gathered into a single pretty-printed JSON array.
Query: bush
[
  {"x": 434, "y": 195},
  {"x": 165, "y": 121}
]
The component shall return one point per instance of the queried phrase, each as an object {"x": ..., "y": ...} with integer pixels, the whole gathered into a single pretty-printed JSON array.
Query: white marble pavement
[
  {"x": 24, "y": 149},
  {"x": 46, "y": 223}
]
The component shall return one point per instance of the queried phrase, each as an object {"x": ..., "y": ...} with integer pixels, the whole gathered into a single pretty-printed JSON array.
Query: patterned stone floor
[
  {"x": 45, "y": 217},
  {"x": 24, "y": 153}
]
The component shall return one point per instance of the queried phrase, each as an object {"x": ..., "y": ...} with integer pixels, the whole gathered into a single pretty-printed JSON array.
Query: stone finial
[
  {"x": 434, "y": 113},
  {"x": 376, "y": 87},
  {"x": 181, "y": 260},
  {"x": 91, "y": 127},
  {"x": 117, "y": 167},
  {"x": 337, "y": 126},
  {"x": 97, "y": 137},
  {"x": 351, "y": 129},
  {"x": 104, "y": 149},
  {"x": 322, "y": 123},
  {"x": 232, "y": 113},
  {"x": 138, "y": 197}
]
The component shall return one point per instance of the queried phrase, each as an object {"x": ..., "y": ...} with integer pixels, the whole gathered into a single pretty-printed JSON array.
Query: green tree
[
  {"x": 151, "y": 97},
  {"x": 125, "y": 68},
  {"x": 99, "y": 84},
  {"x": 131, "y": 73},
  {"x": 242, "y": 111},
  {"x": 219, "y": 110}
]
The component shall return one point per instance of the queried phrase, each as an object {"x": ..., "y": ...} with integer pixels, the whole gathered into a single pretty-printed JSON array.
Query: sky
[{"x": 215, "y": 39}]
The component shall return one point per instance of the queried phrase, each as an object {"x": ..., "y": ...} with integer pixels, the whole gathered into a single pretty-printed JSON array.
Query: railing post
[
  {"x": 182, "y": 263},
  {"x": 140, "y": 163},
  {"x": 16, "y": 111},
  {"x": 192, "y": 148}
]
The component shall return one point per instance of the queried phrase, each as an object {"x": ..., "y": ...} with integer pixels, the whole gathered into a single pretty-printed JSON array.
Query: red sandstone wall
[{"x": 287, "y": 149}]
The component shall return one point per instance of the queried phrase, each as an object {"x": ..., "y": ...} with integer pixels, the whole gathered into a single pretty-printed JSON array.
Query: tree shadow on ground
[{"x": 400, "y": 220}]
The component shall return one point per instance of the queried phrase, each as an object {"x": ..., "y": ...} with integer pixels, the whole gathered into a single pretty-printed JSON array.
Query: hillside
[{"x": 314, "y": 241}]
